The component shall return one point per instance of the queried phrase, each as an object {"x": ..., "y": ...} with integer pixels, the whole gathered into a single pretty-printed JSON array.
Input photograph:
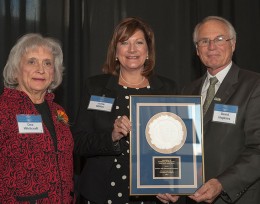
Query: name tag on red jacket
[{"x": 29, "y": 123}]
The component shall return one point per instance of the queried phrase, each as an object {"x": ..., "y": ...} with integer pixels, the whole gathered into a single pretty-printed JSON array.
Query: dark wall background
[{"x": 84, "y": 28}]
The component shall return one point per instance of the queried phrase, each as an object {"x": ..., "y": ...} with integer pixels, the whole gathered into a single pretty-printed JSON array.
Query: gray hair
[
  {"x": 23, "y": 45},
  {"x": 229, "y": 26}
]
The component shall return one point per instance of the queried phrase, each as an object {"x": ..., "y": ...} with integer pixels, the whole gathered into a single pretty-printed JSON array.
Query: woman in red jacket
[{"x": 36, "y": 144}]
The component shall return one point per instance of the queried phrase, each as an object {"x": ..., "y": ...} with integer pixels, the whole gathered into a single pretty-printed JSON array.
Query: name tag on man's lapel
[
  {"x": 101, "y": 103},
  {"x": 225, "y": 113}
]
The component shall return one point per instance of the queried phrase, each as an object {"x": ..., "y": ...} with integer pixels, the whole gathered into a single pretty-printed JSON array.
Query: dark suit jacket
[
  {"x": 232, "y": 152},
  {"x": 93, "y": 129}
]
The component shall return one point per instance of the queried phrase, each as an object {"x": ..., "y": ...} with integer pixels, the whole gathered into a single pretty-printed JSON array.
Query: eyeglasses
[{"x": 219, "y": 40}]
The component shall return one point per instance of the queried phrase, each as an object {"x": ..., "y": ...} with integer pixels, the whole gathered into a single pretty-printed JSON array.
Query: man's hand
[
  {"x": 166, "y": 198},
  {"x": 208, "y": 192}
]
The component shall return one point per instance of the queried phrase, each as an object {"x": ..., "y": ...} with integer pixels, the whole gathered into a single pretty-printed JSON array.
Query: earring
[
  {"x": 147, "y": 57},
  {"x": 116, "y": 59}
]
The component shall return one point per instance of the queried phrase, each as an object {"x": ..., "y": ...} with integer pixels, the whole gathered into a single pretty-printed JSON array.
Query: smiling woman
[
  {"x": 102, "y": 132},
  {"x": 36, "y": 73},
  {"x": 36, "y": 143}
]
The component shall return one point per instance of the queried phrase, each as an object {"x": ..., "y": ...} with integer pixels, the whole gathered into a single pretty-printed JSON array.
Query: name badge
[
  {"x": 225, "y": 113},
  {"x": 101, "y": 103},
  {"x": 29, "y": 123}
]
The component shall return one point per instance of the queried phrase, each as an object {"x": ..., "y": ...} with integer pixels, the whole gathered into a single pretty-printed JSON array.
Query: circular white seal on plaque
[{"x": 166, "y": 132}]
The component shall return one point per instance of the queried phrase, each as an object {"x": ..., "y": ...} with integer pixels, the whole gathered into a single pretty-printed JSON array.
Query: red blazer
[{"x": 30, "y": 169}]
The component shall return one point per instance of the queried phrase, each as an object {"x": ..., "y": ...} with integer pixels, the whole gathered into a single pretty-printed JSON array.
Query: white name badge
[
  {"x": 101, "y": 103},
  {"x": 29, "y": 123},
  {"x": 225, "y": 113}
]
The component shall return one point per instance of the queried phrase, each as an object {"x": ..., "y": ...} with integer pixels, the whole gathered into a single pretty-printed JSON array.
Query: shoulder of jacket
[
  {"x": 98, "y": 80},
  {"x": 99, "y": 84},
  {"x": 193, "y": 84},
  {"x": 100, "y": 77},
  {"x": 164, "y": 79},
  {"x": 248, "y": 73}
]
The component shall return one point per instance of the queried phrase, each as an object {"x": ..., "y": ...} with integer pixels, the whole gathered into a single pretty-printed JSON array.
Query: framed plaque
[{"x": 166, "y": 145}]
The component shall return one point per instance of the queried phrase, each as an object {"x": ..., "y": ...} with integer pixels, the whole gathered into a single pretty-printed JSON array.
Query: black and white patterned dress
[{"x": 119, "y": 175}]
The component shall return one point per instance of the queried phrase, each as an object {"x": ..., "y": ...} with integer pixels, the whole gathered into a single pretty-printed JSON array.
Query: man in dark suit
[{"x": 231, "y": 120}]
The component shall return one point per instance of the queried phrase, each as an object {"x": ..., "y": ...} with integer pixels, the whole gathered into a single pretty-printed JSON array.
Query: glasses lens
[
  {"x": 220, "y": 40},
  {"x": 203, "y": 42}
]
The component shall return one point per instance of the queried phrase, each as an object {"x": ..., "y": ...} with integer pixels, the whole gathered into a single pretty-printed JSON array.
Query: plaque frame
[{"x": 159, "y": 163}]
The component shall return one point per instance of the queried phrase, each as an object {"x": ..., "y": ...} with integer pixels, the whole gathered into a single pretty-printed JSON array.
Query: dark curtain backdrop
[{"x": 84, "y": 28}]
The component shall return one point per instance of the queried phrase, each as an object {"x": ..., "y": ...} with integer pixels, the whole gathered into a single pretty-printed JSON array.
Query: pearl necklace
[{"x": 133, "y": 84}]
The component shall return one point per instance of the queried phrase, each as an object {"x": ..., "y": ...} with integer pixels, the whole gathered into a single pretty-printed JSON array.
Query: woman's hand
[
  {"x": 122, "y": 126},
  {"x": 166, "y": 198}
]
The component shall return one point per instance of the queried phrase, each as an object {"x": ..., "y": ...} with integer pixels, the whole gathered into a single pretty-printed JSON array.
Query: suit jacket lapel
[
  {"x": 196, "y": 86},
  {"x": 225, "y": 91}
]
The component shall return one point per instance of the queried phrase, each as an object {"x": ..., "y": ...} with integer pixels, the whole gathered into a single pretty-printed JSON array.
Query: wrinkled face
[
  {"x": 215, "y": 57},
  {"x": 36, "y": 71},
  {"x": 133, "y": 52}
]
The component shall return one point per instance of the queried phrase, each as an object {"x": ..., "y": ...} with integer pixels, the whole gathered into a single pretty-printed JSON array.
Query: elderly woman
[
  {"x": 36, "y": 144},
  {"x": 102, "y": 133}
]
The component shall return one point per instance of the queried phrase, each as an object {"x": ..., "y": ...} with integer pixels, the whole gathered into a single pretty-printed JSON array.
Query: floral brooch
[{"x": 62, "y": 117}]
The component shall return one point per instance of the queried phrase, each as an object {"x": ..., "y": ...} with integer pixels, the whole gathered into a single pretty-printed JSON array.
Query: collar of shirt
[{"x": 220, "y": 76}]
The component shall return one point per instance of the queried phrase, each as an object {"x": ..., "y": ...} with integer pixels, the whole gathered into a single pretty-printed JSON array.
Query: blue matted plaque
[{"x": 166, "y": 154}]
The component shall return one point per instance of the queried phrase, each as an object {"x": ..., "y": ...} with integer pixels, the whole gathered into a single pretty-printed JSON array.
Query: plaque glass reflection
[{"x": 166, "y": 154}]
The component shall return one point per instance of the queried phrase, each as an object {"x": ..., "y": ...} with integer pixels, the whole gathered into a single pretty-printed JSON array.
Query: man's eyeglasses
[{"x": 219, "y": 40}]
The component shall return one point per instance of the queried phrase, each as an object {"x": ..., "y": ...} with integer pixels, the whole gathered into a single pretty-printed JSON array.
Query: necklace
[{"x": 133, "y": 84}]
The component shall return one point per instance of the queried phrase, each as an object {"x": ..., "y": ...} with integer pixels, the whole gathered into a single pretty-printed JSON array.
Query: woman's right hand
[{"x": 122, "y": 126}]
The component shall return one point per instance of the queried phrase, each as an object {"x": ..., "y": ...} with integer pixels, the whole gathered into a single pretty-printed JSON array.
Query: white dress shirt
[{"x": 220, "y": 76}]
